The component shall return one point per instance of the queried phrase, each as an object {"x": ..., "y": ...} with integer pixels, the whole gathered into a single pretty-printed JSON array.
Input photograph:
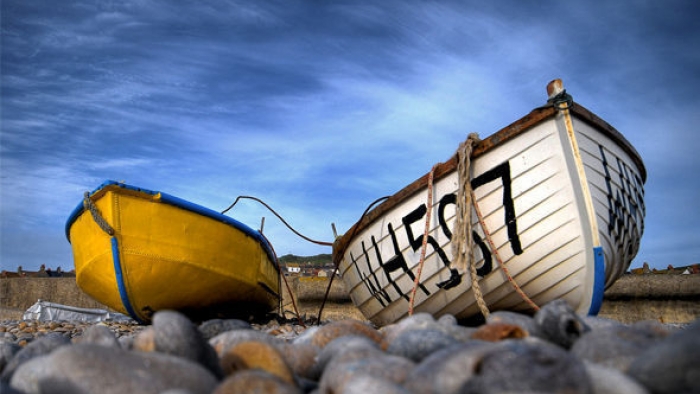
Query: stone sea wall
[
  {"x": 18, "y": 294},
  {"x": 661, "y": 297},
  {"x": 664, "y": 298}
]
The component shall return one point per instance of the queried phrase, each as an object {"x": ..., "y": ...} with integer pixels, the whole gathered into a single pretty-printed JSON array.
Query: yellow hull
[{"x": 167, "y": 253}]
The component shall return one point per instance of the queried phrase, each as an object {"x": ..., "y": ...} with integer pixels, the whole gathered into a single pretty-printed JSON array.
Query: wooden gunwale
[{"x": 535, "y": 117}]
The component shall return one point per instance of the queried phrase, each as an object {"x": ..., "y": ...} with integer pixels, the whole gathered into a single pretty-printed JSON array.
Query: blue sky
[{"x": 320, "y": 107}]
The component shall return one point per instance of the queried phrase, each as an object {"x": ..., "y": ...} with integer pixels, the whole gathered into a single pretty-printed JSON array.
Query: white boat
[{"x": 561, "y": 195}]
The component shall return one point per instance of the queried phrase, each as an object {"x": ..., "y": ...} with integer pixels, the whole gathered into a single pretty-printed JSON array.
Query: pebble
[
  {"x": 494, "y": 332},
  {"x": 554, "y": 351},
  {"x": 528, "y": 365},
  {"x": 89, "y": 368},
  {"x": 347, "y": 347},
  {"x": 255, "y": 381},
  {"x": 175, "y": 334},
  {"x": 33, "y": 350},
  {"x": 558, "y": 323},
  {"x": 448, "y": 369},
  {"x": 671, "y": 365},
  {"x": 333, "y": 330},
  {"x": 341, "y": 371},
  {"x": 617, "y": 346},
  {"x": 415, "y": 345},
  {"x": 257, "y": 355}
]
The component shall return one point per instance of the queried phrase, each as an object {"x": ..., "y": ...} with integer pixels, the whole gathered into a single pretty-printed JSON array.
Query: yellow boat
[{"x": 138, "y": 251}]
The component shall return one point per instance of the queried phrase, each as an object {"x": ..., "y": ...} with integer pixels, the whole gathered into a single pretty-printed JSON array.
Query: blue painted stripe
[
  {"x": 78, "y": 210},
  {"x": 183, "y": 204},
  {"x": 598, "y": 281},
  {"x": 120, "y": 280}
]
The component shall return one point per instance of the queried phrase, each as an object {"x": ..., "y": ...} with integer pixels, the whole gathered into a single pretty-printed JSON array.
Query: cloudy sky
[{"x": 320, "y": 107}]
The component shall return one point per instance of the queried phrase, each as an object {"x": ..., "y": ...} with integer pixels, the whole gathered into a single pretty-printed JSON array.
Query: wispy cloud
[{"x": 321, "y": 108}]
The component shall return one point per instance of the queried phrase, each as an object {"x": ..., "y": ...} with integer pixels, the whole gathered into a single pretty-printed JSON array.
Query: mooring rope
[
  {"x": 336, "y": 261},
  {"x": 294, "y": 305},
  {"x": 462, "y": 233},
  {"x": 424, "y": 244},
  {"x": 498, "y": 258},
  {"x": 337, "y": 258},
  {"x": 279, "y": 217},
  {"x": 462, "y": 238},
  {"x": 286, "y": 283},
  {"x": 96, "y": 216}
]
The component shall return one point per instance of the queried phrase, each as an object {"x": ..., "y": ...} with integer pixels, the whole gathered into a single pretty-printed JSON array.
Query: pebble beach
[{"x": 554, "y": 351}]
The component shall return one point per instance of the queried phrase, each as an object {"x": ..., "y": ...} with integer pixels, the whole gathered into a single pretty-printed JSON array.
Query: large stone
[
  {"x": 214, "y": 327},
  {"x": 528, "y": 365},
  {"x": 98, "y": 335},
  {"x": 175, "y": 334},
  {"x": 616, "y": 346},
  {"x": 341, "y": 372},
  {"x": 257, "y": 355},
  {"x": 333, "y": 330},
  {"x": 88, "y": 368},
  {"x": 671, "y": 365},
  {"x": 418, "y": 344},
  {"x": 254, "y": 381},
  {"x": 446, "y": 370},
  {"x": 558, "y": 323},
  {"x": 39, "y": 347}
]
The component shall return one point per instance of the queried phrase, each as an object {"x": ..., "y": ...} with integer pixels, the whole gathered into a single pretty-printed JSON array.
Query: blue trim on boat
[
  {"x": 120, "y": 280},
  {"x": 598, "y": 281},
  {"x": 80, "y": 208},
  {"x": 186, "y": 205}
]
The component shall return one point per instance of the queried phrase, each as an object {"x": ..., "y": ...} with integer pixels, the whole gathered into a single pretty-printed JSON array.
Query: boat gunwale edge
[
  {"x": 182, "y": 204},
  {"x": 440, "y": 170}
]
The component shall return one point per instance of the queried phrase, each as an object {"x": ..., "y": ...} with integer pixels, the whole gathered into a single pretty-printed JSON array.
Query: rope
[
  {"x": 462, "y": 239},
  {"x": 279, "y": 217},
  {"x": 498, "y": 257},
  {"x": 96, "y": 216},
  {"x": 289, "y": 291},
  {"x": 424, "y": 245},
  {"x": 336, "y": 263},
  {"x": 338, "y": 257}
]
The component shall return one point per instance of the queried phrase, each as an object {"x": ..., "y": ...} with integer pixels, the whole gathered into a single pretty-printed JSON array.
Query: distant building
[
  {"x": 293, "y": 268},
  {"x": 43, "y": 272},
  {"x": 670, "y": 269}
]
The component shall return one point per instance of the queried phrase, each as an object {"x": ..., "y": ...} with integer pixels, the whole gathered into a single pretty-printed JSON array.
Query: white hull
[{"x": 564, "y": 206}]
